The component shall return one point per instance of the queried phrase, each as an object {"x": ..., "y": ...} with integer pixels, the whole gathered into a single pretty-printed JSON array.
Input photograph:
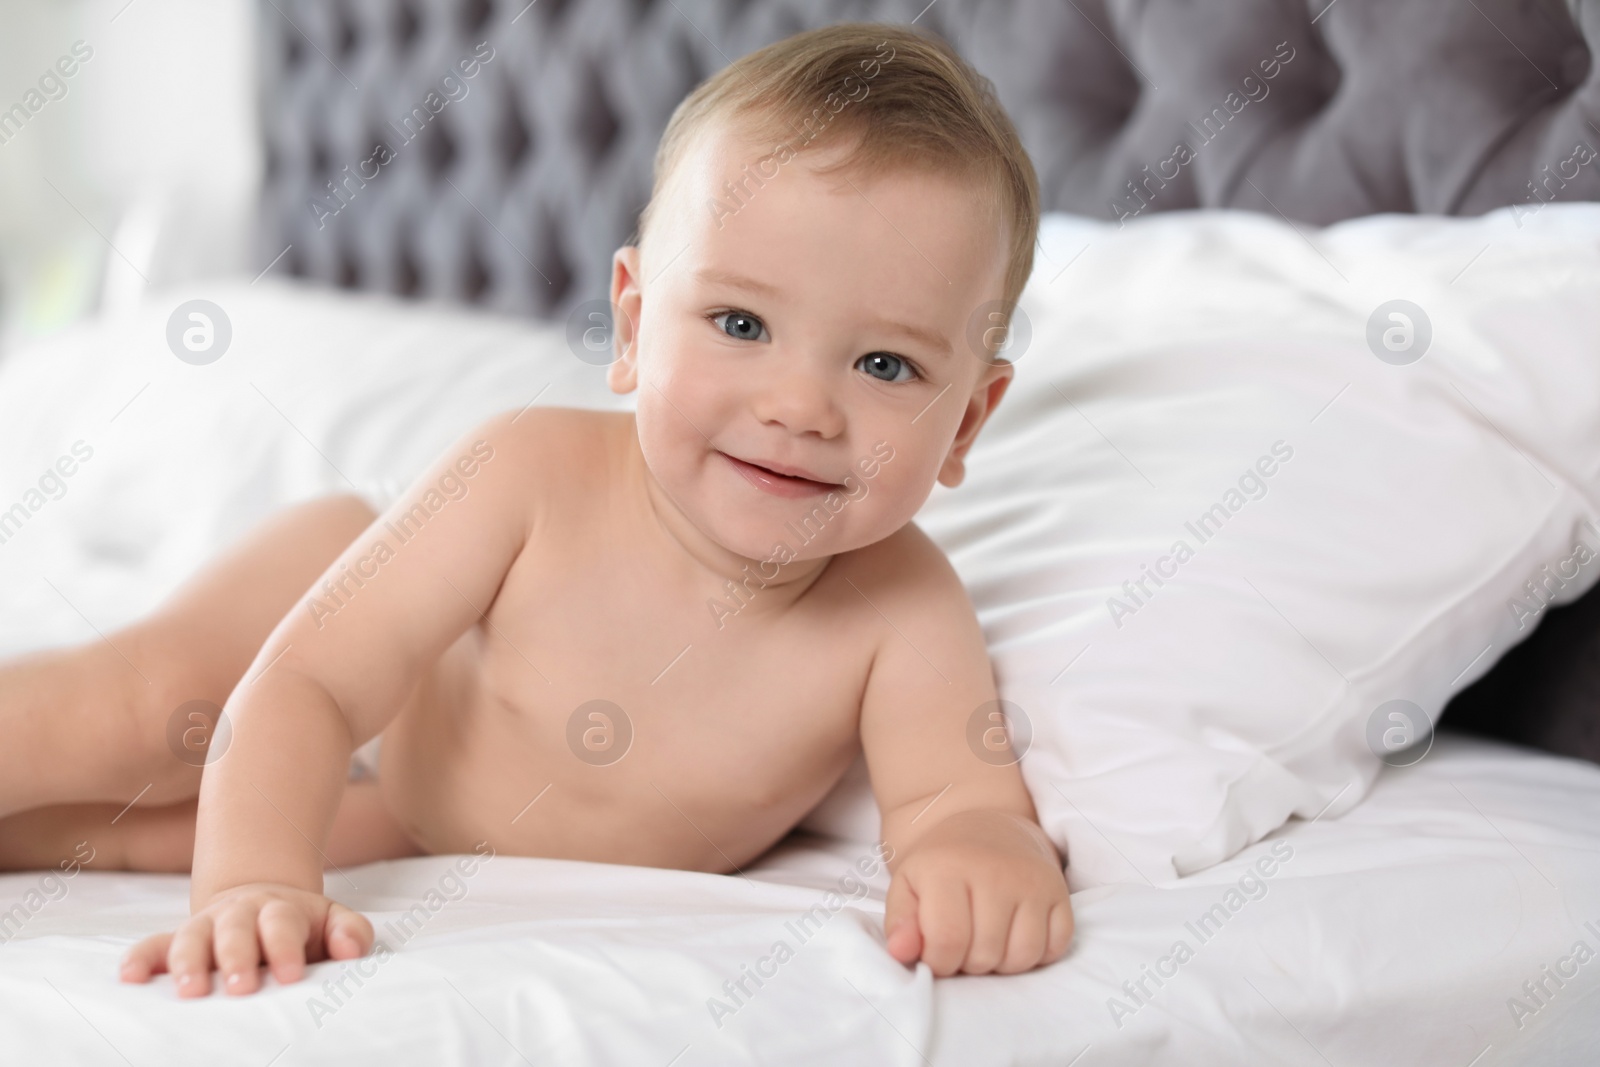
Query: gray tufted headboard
[{"x": 511, "y": 187}]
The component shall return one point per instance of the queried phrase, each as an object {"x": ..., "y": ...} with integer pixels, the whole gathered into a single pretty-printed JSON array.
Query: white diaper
[{"x": 364, "y": 761}]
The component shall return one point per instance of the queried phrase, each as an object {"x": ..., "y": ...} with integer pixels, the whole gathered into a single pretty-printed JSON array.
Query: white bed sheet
[{"x": 1396, "y": 934}]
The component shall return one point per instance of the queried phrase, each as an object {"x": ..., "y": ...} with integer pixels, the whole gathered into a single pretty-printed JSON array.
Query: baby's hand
[
  {"x": 981, "y": 892},
  {"x": 286, "y": 925}
]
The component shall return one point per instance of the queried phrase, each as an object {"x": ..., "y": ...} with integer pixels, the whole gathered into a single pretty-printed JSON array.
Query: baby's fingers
[
  {"x": 945, "y": 917},
  {"x": 189, "y": 957},
  {"x": 347, "y": 934},
  {"x": 1061, "y": 926},
  {"x": 147, "y": 958},
  {"x": 284, "y": 932},
  {"x": 900, "y": 921},
  {"x": 1026, "y": 945},
  {"x": 238, "y": 953}
]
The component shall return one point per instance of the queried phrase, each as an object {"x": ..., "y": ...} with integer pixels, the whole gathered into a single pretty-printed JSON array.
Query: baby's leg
[
  {"x": 90, "y": 724},
  {"x": 162, "y": 839}
]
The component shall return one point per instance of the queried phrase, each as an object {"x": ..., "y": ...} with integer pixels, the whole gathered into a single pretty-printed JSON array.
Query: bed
[
  {"x": 1395, "y": 934},
  {"x": 1450, "y": 917}
]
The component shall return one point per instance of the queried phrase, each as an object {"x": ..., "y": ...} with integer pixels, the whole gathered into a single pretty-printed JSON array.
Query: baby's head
[{"x": 840, "y": 227}]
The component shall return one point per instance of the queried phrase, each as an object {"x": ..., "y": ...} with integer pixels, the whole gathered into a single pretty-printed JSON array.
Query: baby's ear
[
  {"x": 626, "y": 298},
  {"x": 992, "y": 385}
]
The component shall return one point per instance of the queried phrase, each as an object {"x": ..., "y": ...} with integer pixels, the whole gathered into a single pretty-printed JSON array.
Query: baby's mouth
[{"x": 784, "y": 485}]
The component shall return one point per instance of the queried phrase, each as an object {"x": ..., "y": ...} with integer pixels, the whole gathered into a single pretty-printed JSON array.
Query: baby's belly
[{"x": 659, "y": 787}]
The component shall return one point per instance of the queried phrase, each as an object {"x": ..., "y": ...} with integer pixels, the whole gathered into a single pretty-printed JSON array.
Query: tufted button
[
  {"x": 597, "y": 124},
  {"x": 349, "y": 271},
  {"x": 513, "y": 141},
  {"x": 407, "y": 24},
  {"x": 552, "y": 9},
  {"x": 439, "y": 148},
  {"x": 349, "y": 37},
  {"x": 408, "y": 276},
  {"x": 474, "y": 15},
  {"x": 1574, "y": 67},
  {"x": 476, "y": 278}
]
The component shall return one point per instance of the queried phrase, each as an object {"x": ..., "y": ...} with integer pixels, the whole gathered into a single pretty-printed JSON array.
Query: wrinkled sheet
[{"x": 1396, "y": 934}]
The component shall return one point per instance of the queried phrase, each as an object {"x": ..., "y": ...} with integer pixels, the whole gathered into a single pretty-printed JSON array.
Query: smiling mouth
[{"x": 770, "y": 481}]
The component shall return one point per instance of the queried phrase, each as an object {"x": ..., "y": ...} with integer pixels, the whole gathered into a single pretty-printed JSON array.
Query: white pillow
[{"x": 1372, "y": 523}]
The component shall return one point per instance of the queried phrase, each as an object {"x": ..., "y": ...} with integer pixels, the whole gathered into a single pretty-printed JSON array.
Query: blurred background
[
  {"x": 148, "y": 145},
  {"x": 151, "y": 145}
]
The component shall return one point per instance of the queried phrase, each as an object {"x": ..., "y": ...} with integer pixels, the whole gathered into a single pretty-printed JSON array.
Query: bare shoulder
[
  {"x": 510, "y": 468},
  {"x": 551, "y": 446},
  {"x": 929, "y": 654},
  {"x": 569, "y": 433},
  {"x": 906, "y": 568}
]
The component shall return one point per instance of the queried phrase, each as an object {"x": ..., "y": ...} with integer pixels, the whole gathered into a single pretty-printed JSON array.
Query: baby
[{"x": 653, "y": 638}]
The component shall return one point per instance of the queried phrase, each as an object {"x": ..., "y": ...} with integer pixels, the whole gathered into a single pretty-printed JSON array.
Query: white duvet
[{"x": 1398, "y": 932}]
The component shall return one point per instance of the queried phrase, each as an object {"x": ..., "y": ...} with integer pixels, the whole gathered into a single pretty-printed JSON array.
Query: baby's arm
[
  {"x": 333, "y": 674},
  {"x": 977, "y": 886}
]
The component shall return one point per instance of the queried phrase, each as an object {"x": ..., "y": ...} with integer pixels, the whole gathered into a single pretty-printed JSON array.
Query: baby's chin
[
  {"x": 774, "y": 542},
  {"x": 780, "y": 541}
]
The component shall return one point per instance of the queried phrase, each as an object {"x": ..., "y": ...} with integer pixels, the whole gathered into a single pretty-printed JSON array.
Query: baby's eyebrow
[
  {"x": 921, "y": 334},
  {"x": 716, "y": 276}
]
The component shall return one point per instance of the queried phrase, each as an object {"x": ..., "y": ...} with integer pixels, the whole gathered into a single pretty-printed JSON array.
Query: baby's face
[{"x": 819, "y": 330}]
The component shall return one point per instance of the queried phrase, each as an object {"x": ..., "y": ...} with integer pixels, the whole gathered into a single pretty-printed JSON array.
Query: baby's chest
[
  {"x": 637, "y": 687},
  {"x": 694, "y": 709}
]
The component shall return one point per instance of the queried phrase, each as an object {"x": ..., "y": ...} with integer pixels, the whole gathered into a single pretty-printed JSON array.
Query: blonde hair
[{"x": 923, "y": 106}]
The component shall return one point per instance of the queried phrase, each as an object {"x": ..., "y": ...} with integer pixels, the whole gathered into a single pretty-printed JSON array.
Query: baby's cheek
[{"x": 900, "y": 487}]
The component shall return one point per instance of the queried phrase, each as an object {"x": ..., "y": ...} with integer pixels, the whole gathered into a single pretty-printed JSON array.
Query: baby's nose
[{"x": 801, "y": 402}]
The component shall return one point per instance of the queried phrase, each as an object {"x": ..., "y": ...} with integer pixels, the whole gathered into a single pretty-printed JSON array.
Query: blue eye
[
  {"x": 742, "y": 326},
  {"x": 886, "y": 367}
]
